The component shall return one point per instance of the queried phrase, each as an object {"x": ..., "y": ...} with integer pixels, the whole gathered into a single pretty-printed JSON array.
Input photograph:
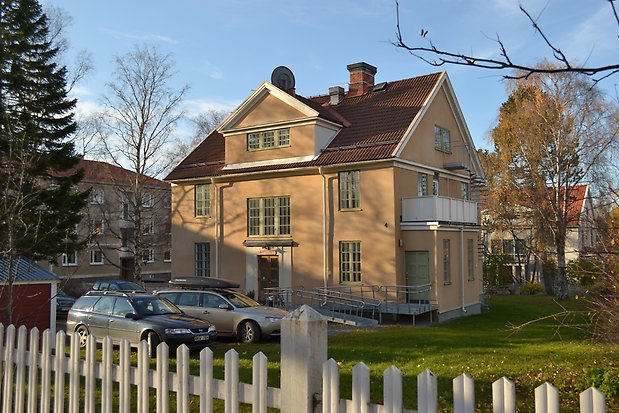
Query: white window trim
[
  {"x": 66, "y": 263},
  {"x": 167, "y": 259},
  {"x": 92, "y": 252},
  {"x": 97, "y": 196},
  {"x": 148, "y": 228},
  {"x": 151, "y": 255},
  {"x": 205, "y": 211}
]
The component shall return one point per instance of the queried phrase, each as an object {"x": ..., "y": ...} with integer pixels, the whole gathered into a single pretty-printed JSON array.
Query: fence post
[
  {"x": 592, "y": 401},
  {"x": 464, "y": 394},
  {"x": 361, "y": 388},
  {"x": 392, "y": 390},
  {"x": 546, "y": 399},
  {"x": 259, "y": 383},
  {"x": 303, "y": 352},
  {"x": 427, "y": 392},
  {"x": 503, "y": 396},
  {"x": 330, "y": 387}
]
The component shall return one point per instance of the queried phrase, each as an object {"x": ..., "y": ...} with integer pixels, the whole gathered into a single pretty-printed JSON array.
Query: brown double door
[{"x": 268, "y": 274}]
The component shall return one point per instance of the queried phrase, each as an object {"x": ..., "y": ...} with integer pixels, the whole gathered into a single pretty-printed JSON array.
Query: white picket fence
[{"x": 27, "y": 372}]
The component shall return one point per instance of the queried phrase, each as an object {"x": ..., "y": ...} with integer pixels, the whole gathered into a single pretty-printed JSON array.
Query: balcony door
[{"x": 418, "y": 276}]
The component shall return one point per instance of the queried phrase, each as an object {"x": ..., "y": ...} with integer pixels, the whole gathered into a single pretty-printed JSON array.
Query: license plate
[{"x": 201, "y": 338}]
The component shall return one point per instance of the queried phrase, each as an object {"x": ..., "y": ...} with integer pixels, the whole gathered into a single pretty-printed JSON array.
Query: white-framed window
[
  {"x": 97, "y": 196},
  {"x": 349, "y": 190},
  {"x": 350, "y": 261},
  {"x": 148, "y": 228},
  {"x": 97, "y": 226},
  {"x": 69, "y": 259},
  {"x": 470, "y": 249},
  {"x": 126, "y": 211},
  {"x": 202, "y": 196},
  {"x": 442, "y": 139},
  {"x": 435, "y": 181},
  {"x": 464, "y": 189},
  {"x": 268, "y": 217},
  {"x": 422, "y": 185},
  {"x": 203, "y": 259},
  {"x": 447, "y": 261},
  {"x": 167, "y": 256},
  {"x": 148, "y": 255},
  {"x": 96, "y": 257},
  {"x": 269, "y": 139},
  {"x": 148, "y": 200}
]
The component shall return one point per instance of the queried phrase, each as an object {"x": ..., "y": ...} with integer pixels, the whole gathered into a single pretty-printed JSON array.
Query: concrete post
[{"x": 303, "y": 351}]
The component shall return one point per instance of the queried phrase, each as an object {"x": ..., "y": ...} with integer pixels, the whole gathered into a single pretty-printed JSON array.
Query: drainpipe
[
  {"x": 324, "y": 225},
  {"x": 462, "y": 266},
  {"x": 216, "y": 227}
]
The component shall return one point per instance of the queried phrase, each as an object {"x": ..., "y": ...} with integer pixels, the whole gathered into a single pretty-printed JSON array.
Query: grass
[{"x": 486, "y": 347}]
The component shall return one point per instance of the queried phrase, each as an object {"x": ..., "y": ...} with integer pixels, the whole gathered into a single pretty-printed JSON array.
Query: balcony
[{"x": 439, "y": 209}]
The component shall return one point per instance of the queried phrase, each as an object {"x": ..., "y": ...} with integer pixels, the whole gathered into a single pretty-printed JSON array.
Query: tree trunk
[
  {"x": 8, "y": 305},
  {"x": 561, "y": 282}
]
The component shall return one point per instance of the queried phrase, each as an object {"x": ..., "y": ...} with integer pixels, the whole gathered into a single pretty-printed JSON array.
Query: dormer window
[{"x": 268, "y": 139}]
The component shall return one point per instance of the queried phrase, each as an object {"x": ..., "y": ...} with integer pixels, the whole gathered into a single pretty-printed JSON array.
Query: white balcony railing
[{"x": 439, "y": 209}]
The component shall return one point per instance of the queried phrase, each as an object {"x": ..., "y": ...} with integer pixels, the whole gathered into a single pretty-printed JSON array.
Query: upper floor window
[
  {"x": 422, "y": 185},
  {"x": 268, "y": 216},
  {"x": 148, "y": 228},
  {"x": 69, "y": 259},
  {"x": 167, "y": 256},
  {"x": 269, "y": 139},
  {"x": 435, "y": 182},
  {"x": 442, "y": 139},
  {"x": 148, "y": 200},
  {"x": 97, "y": 196},
  {"x": 148, "y": 255},
  {"x": 97, "y": 226},
  {"x": 96, "y": 257},
  {"x": 203, "y": 200},
  {"x": 464, "y": 188},
  {"x": 350, "y": 190}
]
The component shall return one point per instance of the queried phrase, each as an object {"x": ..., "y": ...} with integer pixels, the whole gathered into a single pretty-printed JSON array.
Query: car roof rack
[{"x": 203, "y": 283}]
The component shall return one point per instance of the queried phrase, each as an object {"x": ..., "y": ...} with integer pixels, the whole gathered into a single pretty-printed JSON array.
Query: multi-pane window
[
  {"x": 435, "y": 181},
  {"x": 446, "y": 261},
  {"x": 125, "y": 210},
  {"x": 148, "y": 228},
  {"x": 148, "y": 255},
  {"x": 422, "y": 185},
  {"x": 268, "y": 139},
  {"x": 97, "y": 196},
  {"x": 268, "y": 217},
  {"x": 148, "y": 200},
  {"x": 97, "y": 226},
  {"x": 350, "y": 261},
  {"x": 69, "y": 259},
  {"x": 96, "y": 257},
  {"x": 464, "y": 189},
  {"x": 167, "y": 256},
  {"x": 442, "y": 139},
  {"x": 203, "y": 200},
  {"x": 470, "y": 250},
  {"x": 350, "y": 190},
  {"x": 203, "y": 259}
]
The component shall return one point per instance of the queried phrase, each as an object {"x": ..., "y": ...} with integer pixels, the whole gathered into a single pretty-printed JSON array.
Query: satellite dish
[{"x": 283, "y": 78}]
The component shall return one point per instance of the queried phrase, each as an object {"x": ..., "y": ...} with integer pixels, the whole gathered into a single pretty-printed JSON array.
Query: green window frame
[
  {"x": 268, "y": 139},
  {"x": 442, "y": 139},
  {"x": 268, "y": 217},
  {"x": 202, "y": 259},
  {"x": 349, "y": 190},
  {"x": 350, "y": 262},
  {"x": 202, "y": 196}
]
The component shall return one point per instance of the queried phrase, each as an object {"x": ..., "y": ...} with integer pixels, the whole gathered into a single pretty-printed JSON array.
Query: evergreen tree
[{"x": 39, "y": 204}]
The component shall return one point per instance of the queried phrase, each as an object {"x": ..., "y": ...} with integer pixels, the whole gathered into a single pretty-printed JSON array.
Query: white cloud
[
  {"x": 145, "y": 37},
  {"x": 194, "y": 107},
  {"x": 80, "y": 91},
  {"x": 85, "y": 108}
]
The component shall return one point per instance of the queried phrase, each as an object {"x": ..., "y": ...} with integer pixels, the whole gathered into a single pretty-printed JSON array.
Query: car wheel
[
  {"x": 83, "y": 334},
  {"x": 153, "y": 341},
  {"x": 249, "y": 332}
]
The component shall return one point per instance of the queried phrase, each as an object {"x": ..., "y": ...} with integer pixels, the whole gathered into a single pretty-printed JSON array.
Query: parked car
[
  {"x": 64, "y": 302},
  {"x": 116, "y": 285},
  {"x": 232, "y": 313},
  {"x": 137, "y": 317}
]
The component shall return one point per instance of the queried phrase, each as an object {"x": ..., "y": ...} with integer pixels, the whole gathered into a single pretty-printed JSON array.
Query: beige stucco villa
[{"x": 369, "y": 187}]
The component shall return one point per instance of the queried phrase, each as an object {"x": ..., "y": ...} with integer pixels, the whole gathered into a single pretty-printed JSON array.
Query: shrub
[
  {"x": 584, "y": 271},
  {"x": 605, "y": 380},
  {"x": 531, "y": 288},
  {"x": 497, "y": 271}
]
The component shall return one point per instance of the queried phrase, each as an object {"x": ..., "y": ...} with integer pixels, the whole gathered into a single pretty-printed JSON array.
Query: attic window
[
  {"x": 379, "y": 87},
  {"x": 442, "y": 139},
  {"x": 268, "y": 139}
]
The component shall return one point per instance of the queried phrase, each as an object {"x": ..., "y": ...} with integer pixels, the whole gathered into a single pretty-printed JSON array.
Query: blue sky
[{"x": 225, "y": 49}]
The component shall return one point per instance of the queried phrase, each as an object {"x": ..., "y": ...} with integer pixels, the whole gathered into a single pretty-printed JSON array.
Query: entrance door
[
  {"x": 418, "y": 275},
  {"x": 126, "y": 268},
  {"x": 268, "y": 274}
]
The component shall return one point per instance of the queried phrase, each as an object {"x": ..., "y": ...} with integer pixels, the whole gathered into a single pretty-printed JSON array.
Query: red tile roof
[
  {"x": 575, "y": 206},
  {"x": 103, "y": 172},
  {"x": 372, "y": 127}
]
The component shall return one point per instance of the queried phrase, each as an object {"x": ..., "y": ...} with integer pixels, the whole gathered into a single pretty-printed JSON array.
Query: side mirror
[
  {"x": 225, "y": 307},
  {"x": 132, "y": 316}
]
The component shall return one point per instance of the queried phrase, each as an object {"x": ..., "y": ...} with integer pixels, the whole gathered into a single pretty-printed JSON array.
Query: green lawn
[{"x": 484, "y": 346}]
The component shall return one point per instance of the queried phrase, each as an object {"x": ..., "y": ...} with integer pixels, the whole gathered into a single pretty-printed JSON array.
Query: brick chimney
[{"x": 361, "y": 78}]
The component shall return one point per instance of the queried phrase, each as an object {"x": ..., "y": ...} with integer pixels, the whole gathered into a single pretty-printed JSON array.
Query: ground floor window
[
  {"x": 203, "y": 259},
  {"x": 96, "y": 257},
  {"x": 350, "y": 261},
  {"x": 69, "y": 259}
]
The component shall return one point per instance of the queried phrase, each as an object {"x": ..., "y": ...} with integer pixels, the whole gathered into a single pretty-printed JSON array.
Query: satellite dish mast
[{"x": 283, "y": 78}]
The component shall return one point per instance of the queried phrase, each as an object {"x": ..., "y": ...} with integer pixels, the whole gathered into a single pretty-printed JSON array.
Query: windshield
[
  {"x": 128, "y": 286},
  {"x": 153, "y": 305},
  {"x": 239, "y": 300}
]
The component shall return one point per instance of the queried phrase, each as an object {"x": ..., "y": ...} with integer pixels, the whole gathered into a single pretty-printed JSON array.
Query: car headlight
[
  {"x": 273, "y": 319},
  {"x": 177, "y": 331},
  {"x": 212, "y": 329}
]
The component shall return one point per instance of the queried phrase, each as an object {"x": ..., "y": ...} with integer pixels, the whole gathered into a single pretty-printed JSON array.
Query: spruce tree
[{"x": 39, "y": 206}]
